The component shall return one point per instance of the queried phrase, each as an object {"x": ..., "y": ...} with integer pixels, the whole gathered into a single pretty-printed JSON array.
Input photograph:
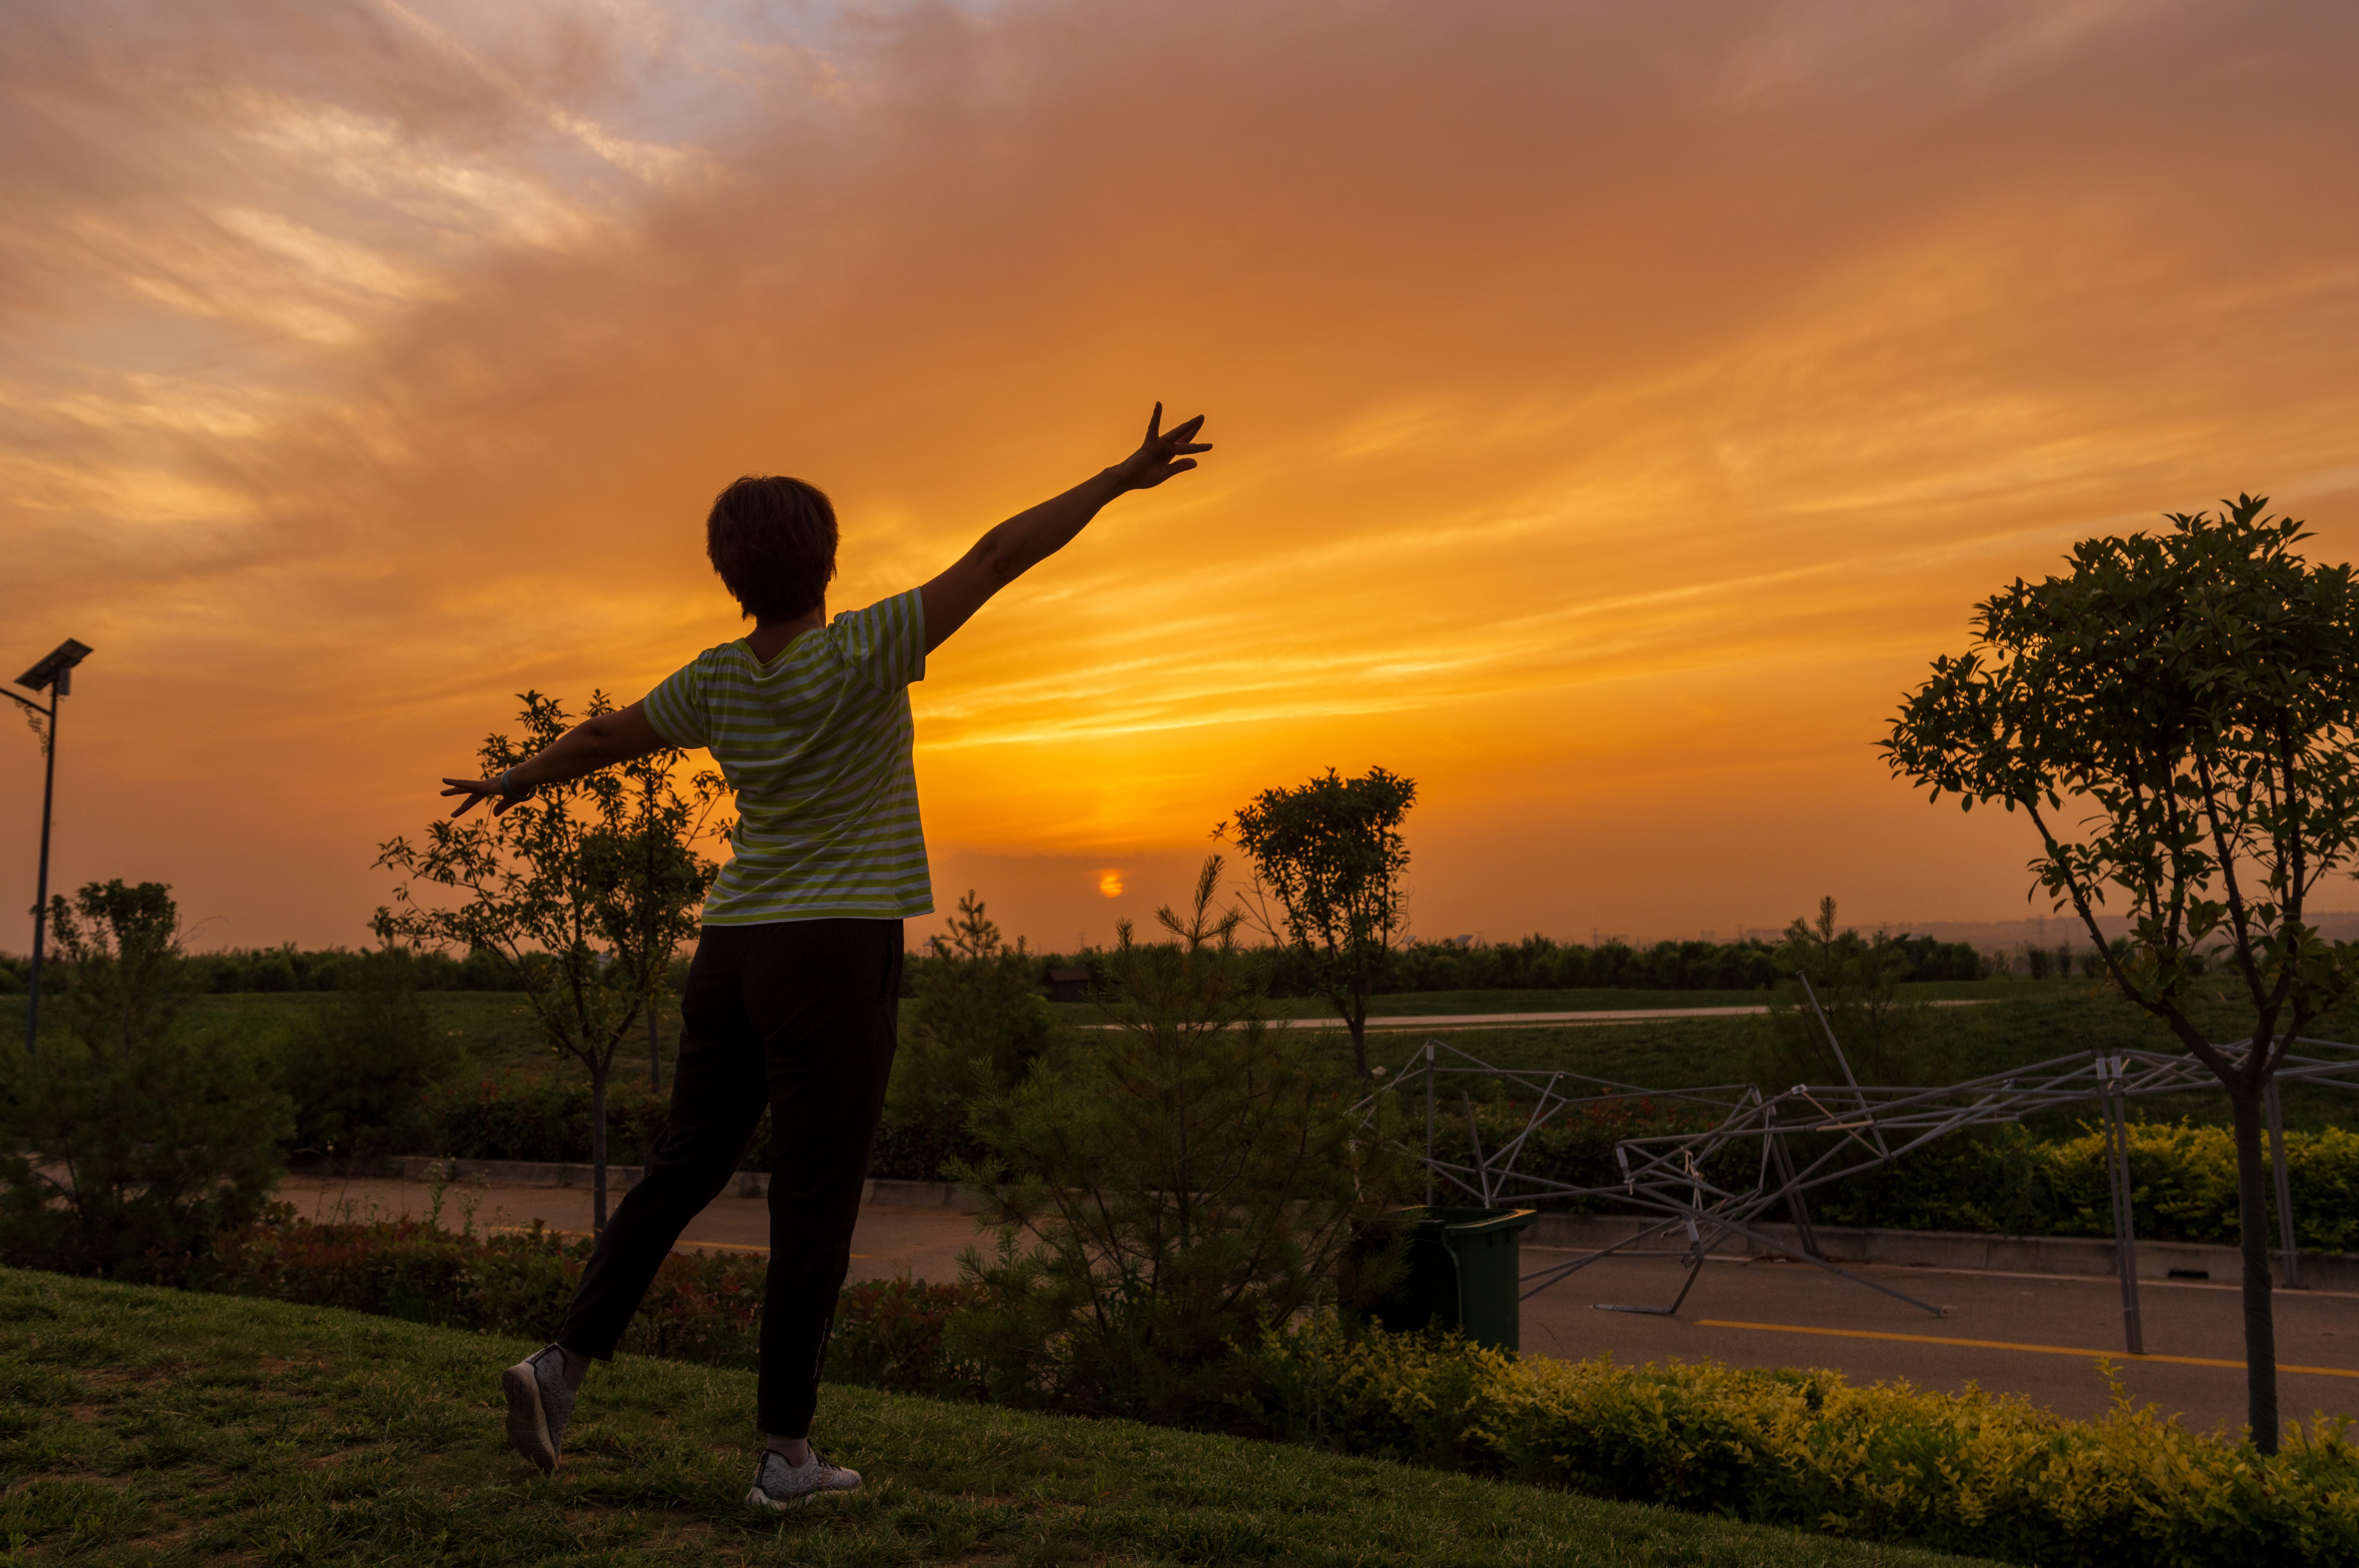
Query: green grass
[
  {"x": 141, "y": 1425},
  {"x": 2015, "y": 1021},
  {"x": 1414, "y": 1004},
  {"x": 2028, "y": 1021},
  {"x": 495, "y": 1028}
]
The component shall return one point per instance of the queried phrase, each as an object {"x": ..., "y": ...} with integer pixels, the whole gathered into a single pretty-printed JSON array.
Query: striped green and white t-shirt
[{"x": 816, "y": 743}]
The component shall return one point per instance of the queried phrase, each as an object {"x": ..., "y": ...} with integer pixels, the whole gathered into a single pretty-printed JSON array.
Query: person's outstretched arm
[
  {"x": 622, "y": 736},
  {"x": 1029, "y": 537}
]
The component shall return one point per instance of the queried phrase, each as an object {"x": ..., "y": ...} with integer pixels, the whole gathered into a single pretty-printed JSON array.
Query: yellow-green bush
[
  {"x": 2182, "y": 1183},
  {"x": 1990, "y": 1475}
]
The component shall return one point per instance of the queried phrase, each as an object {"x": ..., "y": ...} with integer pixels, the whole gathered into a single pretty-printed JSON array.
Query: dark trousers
[{"x": 799, "y": 1016}]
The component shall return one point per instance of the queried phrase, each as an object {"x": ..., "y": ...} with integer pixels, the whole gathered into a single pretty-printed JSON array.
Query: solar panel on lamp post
[{"x": 53, "y": 675}]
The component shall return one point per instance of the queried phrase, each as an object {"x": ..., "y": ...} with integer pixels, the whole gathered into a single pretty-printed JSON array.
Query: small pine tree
[{"x": 1167, "y": 1188}]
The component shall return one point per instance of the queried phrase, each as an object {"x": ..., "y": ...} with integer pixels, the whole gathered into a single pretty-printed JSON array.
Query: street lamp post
[{"x": 53, "y": 675}]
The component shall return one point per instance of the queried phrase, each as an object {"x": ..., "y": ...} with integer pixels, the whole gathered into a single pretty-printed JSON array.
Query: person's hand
[
  {"x": 1162, "y": 454},
  {"x": 473, "y": 791}
]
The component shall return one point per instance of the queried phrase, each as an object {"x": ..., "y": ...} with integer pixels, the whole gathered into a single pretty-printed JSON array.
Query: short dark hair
[{"x": 773, "y": 542}]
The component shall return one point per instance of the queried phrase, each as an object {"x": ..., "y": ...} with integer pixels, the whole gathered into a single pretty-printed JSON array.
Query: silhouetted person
[{"x": 793, "y": 997}]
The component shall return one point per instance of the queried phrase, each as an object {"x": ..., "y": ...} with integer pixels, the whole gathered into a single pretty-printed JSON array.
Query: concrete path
[
  {"x": 2040, "y": 1337},
  {"x": 921, "y": 1243}
]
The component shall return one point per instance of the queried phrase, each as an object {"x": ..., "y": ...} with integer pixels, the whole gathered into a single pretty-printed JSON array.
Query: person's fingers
[
  {"x": 1155, "y": 422},
  {"x": 1186, "y": 430}
]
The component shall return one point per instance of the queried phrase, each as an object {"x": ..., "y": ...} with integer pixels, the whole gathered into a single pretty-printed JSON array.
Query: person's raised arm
[
  {"x": 1029, "y": 537},
  {"x": 622, "y": 736}
]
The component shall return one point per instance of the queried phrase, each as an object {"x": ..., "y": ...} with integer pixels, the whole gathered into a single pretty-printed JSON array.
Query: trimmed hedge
[{"x": 1988, "y": 1476}]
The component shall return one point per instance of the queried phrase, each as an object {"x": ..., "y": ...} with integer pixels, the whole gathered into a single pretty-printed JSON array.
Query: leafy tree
[
  {"x": 582, "y": 893},
  {"x": 128, "y": 981},
  {"x": 133, "y": 1138},
  {"x": 1184, "y": 1178},
  {"x": 1332, "y": 853},
  {"x": 2176, "y": 717}
]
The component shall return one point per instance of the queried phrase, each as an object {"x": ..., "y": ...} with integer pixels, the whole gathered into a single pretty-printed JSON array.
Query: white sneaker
[
  {"x": 778, "y": 1486},
  {"x": 540, "y": 1404}
]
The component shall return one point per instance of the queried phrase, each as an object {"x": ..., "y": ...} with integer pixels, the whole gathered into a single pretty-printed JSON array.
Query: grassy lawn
[
  {"x": 1416, "y": 1004},
  {"x": 2028, "y": 1021},
  {"x": 142, "y": 1425},
  {"x": 2016, "y": 1022},
  {"x": 495, "y": 1028}
]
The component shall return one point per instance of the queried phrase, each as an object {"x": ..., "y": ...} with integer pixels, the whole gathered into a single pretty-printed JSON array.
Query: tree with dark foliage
[
  {"x": 1332, "y": 854},
  {"x": 2176, "y": 717}
]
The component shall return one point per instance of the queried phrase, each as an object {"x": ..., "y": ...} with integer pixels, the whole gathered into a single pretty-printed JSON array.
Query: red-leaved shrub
[{"x": 702, "y": 1307}]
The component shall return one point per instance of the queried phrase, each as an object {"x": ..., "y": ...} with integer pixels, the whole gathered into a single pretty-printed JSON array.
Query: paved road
[
  {"x": 1774, "y": 1313},
  {"x": 1762, "y": 1314}
]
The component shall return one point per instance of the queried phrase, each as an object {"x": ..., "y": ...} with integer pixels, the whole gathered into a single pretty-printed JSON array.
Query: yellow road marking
[{"x": 2009, "y": 1345}]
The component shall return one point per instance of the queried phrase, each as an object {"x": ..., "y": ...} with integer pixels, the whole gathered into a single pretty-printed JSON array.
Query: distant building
[{"x": 1069, "y": 984}]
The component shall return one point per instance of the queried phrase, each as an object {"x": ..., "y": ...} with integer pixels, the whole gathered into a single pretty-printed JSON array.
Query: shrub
[
  {"x": 705, "y": 1308},
  {"x": 1984, "y": 1475},
  {"x": 506, "y": 1116},
  {"x": 708, "y": 1309},
  {"x": 1999, "y": 1182},
  {"x": 135, "y": 1158},
  {"x": 1857, "y": 981},
  {"x": 975, "y": 1024},
  {"x": 358, "y": 1068},
  {"x": 130, "y": 1139},
  {"x": 2182, "y": 1184},
  {"x": 1162, "y": 1190},
  {"x": 889, "y": 1334},
  {"x": 922, "y": 1145},
  {"x": 122, "y": 979}
]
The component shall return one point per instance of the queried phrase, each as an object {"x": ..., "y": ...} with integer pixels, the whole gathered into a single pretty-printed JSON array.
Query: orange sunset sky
[{"x": 1618, "y": 405}]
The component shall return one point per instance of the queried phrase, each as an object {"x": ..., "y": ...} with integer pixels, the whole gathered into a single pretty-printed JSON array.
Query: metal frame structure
[{"x": 1852, "y": 1128}]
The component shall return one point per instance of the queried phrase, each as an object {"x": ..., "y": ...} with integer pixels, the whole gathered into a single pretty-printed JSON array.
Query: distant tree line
[
  {"x": 1536, "y": 963},
  {"x": 1541, "y": 963},
  {"x": 293, "y": 969}
]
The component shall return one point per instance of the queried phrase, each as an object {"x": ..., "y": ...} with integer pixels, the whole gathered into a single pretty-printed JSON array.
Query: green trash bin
[{"x": 1464, "y": 1272}]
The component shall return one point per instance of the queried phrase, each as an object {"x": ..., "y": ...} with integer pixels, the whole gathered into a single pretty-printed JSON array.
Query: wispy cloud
[{"x": 1613, "y": 404}]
